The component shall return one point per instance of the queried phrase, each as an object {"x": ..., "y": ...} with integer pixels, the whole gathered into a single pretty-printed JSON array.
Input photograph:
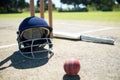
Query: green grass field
[{"x": 102, "y": 16}]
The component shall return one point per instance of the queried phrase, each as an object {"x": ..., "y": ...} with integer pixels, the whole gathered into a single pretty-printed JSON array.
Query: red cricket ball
[{"x": 72, "y": 66}]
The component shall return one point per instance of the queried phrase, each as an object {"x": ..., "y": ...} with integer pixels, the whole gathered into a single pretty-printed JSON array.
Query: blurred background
[{"x": 19, "y": 6}]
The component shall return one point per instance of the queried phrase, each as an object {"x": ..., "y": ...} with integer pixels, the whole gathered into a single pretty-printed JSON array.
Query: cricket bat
[{"x": 82, "y": 37}]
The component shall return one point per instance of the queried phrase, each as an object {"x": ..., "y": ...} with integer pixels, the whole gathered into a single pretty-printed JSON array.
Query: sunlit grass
[
  {"x": 115, "y": 16},
  {"x": 102, "y": 16}
]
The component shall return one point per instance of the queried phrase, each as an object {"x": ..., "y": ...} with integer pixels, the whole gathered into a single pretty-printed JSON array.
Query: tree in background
[
  {"x": 103, "y": 5},
  {"x": 10, "y": 6},
  {"x": 118, "y": 1},
  {"x": 76, "y": 4},
  {"x": 66, "y": 1},
  {"x": 22, "y": 4},
  {"x": 5, "y": 5},
  {"x": 45, "y": 5}
]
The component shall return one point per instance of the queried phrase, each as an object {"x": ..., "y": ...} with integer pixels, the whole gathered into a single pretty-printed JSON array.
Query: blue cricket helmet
[
  {"x": 33, "y": 22},
  {"x": 34, "y": 38}
]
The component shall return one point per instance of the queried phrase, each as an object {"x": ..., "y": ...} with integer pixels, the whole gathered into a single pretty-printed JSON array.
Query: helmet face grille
[
  {"x": 31, "y": 49},
  {"x": 35, "y": 41}
]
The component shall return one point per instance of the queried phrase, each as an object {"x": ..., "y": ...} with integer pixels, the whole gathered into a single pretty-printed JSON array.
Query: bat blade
[
  {"x": 65, "y": 35},
  {"x": 96, "y": 39}
]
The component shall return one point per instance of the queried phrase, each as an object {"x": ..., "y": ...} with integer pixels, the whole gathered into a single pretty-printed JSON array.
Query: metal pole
[
  {"x": 32, "y": 10},
  {"x": 42, "y": 9}
]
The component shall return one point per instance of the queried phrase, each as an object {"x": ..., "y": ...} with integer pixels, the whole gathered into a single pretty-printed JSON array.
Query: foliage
[
  {"x": 73, "y": 10},
  {"x": 9, "y": 6},
  {"x": 76, "y": 3},
  {"x": 103, "y": 5},
  {"x": 22, "y": 4},
  {"x": 118, "y": 1},
  {"x": 45, "y": 5}
]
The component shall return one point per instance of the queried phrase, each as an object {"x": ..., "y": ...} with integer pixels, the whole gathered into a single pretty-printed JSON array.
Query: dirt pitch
[{"x": 98, "y": 61}]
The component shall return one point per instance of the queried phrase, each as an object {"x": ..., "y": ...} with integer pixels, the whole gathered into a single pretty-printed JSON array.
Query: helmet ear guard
[{"x": 34, "y": 41}]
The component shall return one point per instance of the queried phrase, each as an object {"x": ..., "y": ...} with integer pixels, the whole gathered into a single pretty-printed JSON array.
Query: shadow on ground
[
  {"x": 20, "y": 62},
  {"x": 68, "y": 77}
]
